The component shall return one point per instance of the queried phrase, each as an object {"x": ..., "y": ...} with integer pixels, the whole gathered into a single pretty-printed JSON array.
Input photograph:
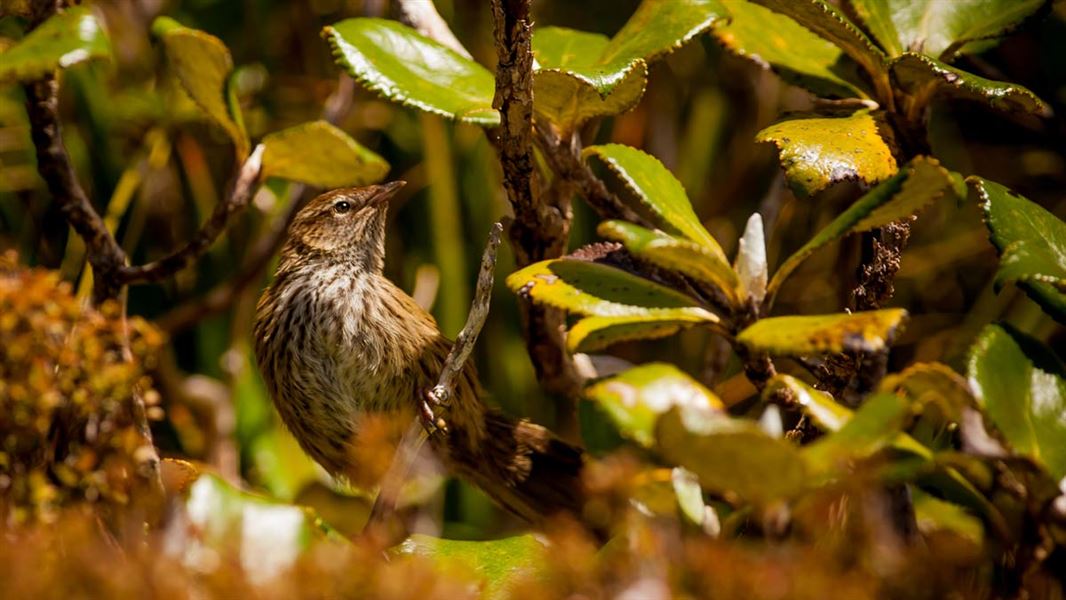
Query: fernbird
[{"x": 342, "y": 350}]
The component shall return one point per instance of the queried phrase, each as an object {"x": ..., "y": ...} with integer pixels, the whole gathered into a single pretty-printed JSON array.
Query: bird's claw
[{"x": 430, "y": 420}]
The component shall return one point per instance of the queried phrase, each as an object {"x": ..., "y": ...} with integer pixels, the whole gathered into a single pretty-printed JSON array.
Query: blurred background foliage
[{"x": 153, "y": 164}]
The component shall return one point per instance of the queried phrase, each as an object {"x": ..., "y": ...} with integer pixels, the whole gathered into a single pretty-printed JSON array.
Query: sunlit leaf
[
  {"x": 203, "y": 66},
  {"x": 1031, "y": 242},
  {"x": 267, "y": 536},
  {"x": 500, "y": 563},
  {"x": 674, "y": 253},
  {"x": 934, "y": 514},
  {"x": 64, "y": 40},
  {"x": 732, "y": 455},
  {"x": 403, "y": 66},
  {"x": 941, "y": 29},
  {"x": 826, "y": 20},
  {"x": 596, "y": 333},
  {"x": 875, "y": 425},
  {"x": 931, "y": 383},
  {"x": 916, "y": 74},
  {"x": 336, "y": 161},
  {"x": 774, "y": 41},
  {"x": 1021, "y": 385},
  {"x": 870, "y": 331},
  {"x": 818, "y": 150},
  {"x": 657, "y": 190},
  {"x": 635, "y": 399},
  {"x": 593, "y": 289},
  {"x": 919, "y": 184}
]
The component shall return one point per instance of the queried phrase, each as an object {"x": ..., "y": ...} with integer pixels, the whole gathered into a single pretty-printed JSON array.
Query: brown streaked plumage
[{"x": 343, "y": 351}]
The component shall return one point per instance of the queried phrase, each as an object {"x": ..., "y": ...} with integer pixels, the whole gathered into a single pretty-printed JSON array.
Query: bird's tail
[{"x": 522, "y": 466}]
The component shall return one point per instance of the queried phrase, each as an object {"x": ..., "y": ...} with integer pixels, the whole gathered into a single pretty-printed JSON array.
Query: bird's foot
[{"x": 433, "y": 422}]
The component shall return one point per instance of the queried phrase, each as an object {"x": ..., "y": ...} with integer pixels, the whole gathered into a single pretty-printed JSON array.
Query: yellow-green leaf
[
  {"x": 65, "y": 39},
  {"x": 592, "y": 289},
  {"x": 674, "y": 253},
  {"x": 499, "y": 563},
  {"x": 635, "y": 399},
  {"x": 875, "y": 425},
  {"x": 869, "y": 331},
  {"x": 818, "y": 150},
  {"x": 919, "y": 184},
  {"x": 322, "y": 155},
  {"x": 203, "y": 66},
  {"x": 919, "y": 74},
  {"x": 1031, "y": 242},
  {"x": 404, "y": 66},
  {"x": 731, "y": 455},
  {"x": 596, "y": 333},
  {"x": 657, "y": 190},
  {"x": 774, "y": 41},
  {"x": 931, "y": 383}
]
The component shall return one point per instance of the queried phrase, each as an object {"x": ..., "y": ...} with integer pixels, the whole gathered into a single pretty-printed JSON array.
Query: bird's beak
[{"x": 386, "y": 192}]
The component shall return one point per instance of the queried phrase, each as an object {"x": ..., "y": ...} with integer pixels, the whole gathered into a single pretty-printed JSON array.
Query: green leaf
[
  {"x": 659, "y": 27},
  {"x": 64, "y": 40},
  {"x": 816, "y": 404},
  {"x": 1021, "y": 385},
  {"x": 918, "y": 74},
  {"x": 203, "y": 66},
  {"x": 336, "y": 160},
  {"x": 941, "y": 29},
  {"x": 934, "y": 514},
  {"x": 1031, "y": 242},
  {"x": 499, "y": 563},
  {"x": 931, "y": 383},
  {"x": 657, "y": 190},
  {"x": 829, "y": 22},
  {"x": 592, "y": 289},
  {"x": 596, "y": 333},
  {"x": 731, "y": 455},
  {"x": 869, "y": 331},
  {"x": 268, "y": 536},
  {"x": 635, "y": 399},
  {"x": 818, "y": 150},
  {"x": 920, "y": 183},
  {"x": 403, "y": 66},
  {"x": 674, "y": 253},
  {"x": 875, "y": 425},
  {"x": 569, "y": 87},
  {"x": 774, "y": 41}
]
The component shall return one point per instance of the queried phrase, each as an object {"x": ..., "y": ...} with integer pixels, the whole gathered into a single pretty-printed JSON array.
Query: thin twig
[
  {"x": 417, "y": 433},
  {"x": 241, "y": 194}
]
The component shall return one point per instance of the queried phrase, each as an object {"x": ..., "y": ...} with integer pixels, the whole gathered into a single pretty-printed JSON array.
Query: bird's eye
[{"x": 342, "y": 207}]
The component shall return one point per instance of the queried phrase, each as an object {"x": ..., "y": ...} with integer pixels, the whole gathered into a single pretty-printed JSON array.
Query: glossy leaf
[
  {"x": 592, "y": 289},
  {"x": 269, "y": 536},
  {"x": 596, "y": 333},
  {"x": 674, "y": 253},
  {"x": 916, "y": 74},
  {"x": 1021, "y": 385},
  {"x": 1031, "y": 242},
  {"x": 203, "y": 66},
  {"x": 657, "y": 190},
  {"x": 403, "y": 66},
  {"x": 869, "y": 331},
  {"x": 774, "y": 41},
  {"x": 731, "y": 455},
  {"x": 336, "y": 161},
  {"x": 635, "y": 399},
  {"x": 659, "y": 27},
  {"x": 937, "y": 28},
  {"x": 919, "y": 184},
  {"x": 499, "y": 563},
  {"x": 830, "y": 23},
  {"x": 819, "y": 150},
  {"x": 62, "y": 41}
]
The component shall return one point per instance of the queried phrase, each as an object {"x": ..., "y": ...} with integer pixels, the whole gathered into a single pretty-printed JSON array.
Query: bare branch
[
  {"x": 243, "y": 187},
  {"x": 417, "y": 433},
  {"x": 422, "y": 15},
  {"x": 53, "y": 163}
]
